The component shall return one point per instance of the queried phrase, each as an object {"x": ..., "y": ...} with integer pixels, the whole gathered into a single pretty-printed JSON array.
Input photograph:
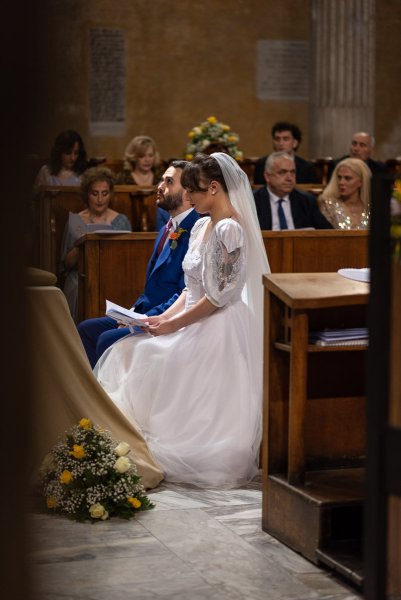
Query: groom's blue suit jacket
[{"x": 164, "y": 274}]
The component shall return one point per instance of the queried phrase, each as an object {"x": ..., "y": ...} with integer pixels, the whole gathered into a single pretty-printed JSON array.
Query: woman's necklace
[
  {"x": 355, "y": 209},
  {"x": 143, "y": 178},
  {"x": 102, "y": 219},
  {"x": 65, "y": 173}
]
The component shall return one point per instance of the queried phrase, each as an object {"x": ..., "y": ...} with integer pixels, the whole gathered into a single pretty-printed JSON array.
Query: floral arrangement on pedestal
[
  {"x": 89, "y": 476},
  {"x": 213, "y": 132}
]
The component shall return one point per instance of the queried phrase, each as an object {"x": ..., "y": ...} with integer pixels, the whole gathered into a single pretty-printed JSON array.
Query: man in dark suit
[
  {"x": 164, "y": 274},
  {"x": 287, "y": 137},
  {"x": 279, "y": 205},
  {"x": 362, "y": 145}
]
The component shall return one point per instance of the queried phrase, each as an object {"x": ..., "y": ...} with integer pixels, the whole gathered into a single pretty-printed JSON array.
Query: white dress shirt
[{"x": 286, "y": 208}]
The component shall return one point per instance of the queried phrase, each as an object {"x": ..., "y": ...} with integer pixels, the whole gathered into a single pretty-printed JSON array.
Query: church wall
[
  {"x": 184, "y": 61},
  {"x": 388, "y": 78}
]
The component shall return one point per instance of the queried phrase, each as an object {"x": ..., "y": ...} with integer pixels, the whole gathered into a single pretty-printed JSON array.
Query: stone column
[{"x": 343, "y": 69}]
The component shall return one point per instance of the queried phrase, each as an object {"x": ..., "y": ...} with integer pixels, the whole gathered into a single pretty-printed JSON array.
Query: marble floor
[{"x": 195, "y": 544}]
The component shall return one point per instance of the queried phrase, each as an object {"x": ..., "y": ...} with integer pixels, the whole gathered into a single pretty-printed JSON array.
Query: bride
[{"x": 193, "y": 381}]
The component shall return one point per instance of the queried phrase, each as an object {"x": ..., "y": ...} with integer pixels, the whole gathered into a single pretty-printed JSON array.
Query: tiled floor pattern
[{"x": 195, "y": 544}]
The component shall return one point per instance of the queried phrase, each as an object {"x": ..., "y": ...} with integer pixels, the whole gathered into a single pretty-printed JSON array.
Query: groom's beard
[{"x": 170, "y": 202}]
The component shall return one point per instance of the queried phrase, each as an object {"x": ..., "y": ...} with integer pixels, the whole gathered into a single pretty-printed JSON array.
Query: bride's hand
[
  {"x": 155, "y": 320},
  {"x": 162, "y": 327}
]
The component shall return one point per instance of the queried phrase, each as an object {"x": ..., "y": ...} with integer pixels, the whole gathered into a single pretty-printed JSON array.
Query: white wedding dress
[{"x": 195, "y": 394}]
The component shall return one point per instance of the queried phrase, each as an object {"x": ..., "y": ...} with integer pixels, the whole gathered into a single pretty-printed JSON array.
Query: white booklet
[
  {"x": 356, "y": 274},
  {"x": 125, "y": 315}
]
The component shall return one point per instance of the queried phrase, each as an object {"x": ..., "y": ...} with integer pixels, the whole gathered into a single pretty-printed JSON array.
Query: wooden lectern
[{"x": 314, "y": 418}]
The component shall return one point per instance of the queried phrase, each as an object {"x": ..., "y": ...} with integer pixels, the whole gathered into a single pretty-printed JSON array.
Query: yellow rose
[
  {"x": 395, "y": 231},
  {"x": 212, "y": 120},
  {"x": 122, "y": 449},
  {"x": 98, "y": 511},
  {"x": 66, "y": 477},
  {"x": 397, "y": 190},
  {"x": 85, "y": 424},
  {"x": 78, "y": 451},
  {"x": 225, "y": 127},
  {"x": 189, "y": 156},
  {"x": 191, "y": 134},
  {"x": 232, "y": 138},
  {"x": 135, "y": 502},
  {"x": 51, "y": 502},
  {"x": 122, "y": 464}
]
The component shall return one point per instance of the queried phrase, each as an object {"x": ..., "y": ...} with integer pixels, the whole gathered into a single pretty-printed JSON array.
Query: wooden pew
[
  {"x": 52, "y": 204},
  {"x": 248, "y": 165},
  {"x": 315, "y": 250},
  {"x": 113, "y": 266},
  {"x": 312, "y": 188},
  {"x": 322, "y": 167}
]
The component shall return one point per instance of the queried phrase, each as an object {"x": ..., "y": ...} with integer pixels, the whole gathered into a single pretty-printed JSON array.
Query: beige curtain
[{"x": 64, "y": 389}]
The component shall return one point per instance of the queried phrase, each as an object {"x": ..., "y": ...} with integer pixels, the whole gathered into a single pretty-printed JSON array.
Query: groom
[{"x": 164, "y": 274}]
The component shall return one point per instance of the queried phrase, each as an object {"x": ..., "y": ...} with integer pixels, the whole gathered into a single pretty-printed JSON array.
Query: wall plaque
[
  {"x": 107, "y": 82},
  {"x": 282, "y": 70}
]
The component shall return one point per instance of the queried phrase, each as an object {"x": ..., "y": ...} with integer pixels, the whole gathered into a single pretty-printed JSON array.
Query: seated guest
[
  {"x": 279, "y": 205},
  {"x": 97, "y": 185},
  {"x": 287, "y": 137},
  {"x": 362, "y": 146},
  {"x": 66, "y": 163},
  {"x": 164, "y": 274},
  {"x": 346, "y": 199},
  {"x": 142, "y": 167},
  {"x": 141, "y": 163}
]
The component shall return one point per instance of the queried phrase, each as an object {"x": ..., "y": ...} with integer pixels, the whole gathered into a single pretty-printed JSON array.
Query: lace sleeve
[{"x": 223, "y": 269}]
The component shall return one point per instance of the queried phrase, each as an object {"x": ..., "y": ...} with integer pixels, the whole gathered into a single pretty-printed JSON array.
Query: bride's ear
[{"x": 214, "y": 187}]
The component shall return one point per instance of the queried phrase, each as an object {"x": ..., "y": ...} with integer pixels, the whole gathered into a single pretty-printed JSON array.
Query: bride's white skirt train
[{"x": 194, "y": 396}]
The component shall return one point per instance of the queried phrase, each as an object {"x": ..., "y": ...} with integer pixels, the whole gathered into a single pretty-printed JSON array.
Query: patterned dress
[{"x": 334, "y": 212}]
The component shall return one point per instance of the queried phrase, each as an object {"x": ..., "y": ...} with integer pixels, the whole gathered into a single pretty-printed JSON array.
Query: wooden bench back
[
  {"x": 315, "y": 250},
  {"x": 114, "y": 267}
]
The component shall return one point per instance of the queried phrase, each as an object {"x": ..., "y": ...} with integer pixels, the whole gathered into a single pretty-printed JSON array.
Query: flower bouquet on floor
[{"x": 88, "y": 476}]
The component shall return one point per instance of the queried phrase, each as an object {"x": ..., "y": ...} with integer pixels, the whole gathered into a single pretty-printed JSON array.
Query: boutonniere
[{"x": 175, "y": 236}]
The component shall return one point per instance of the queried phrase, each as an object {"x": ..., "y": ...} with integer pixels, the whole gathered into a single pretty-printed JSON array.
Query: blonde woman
[
  {"x": 141, "y": 162},
  {"x": 345, "y": 201}
]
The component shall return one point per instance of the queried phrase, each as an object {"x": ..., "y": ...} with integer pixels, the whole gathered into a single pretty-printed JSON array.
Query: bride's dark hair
[{"x": 202, "y": 169}]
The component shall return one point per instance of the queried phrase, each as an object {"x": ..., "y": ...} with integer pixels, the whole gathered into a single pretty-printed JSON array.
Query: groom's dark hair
[{"x": 179, "y": 164}]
